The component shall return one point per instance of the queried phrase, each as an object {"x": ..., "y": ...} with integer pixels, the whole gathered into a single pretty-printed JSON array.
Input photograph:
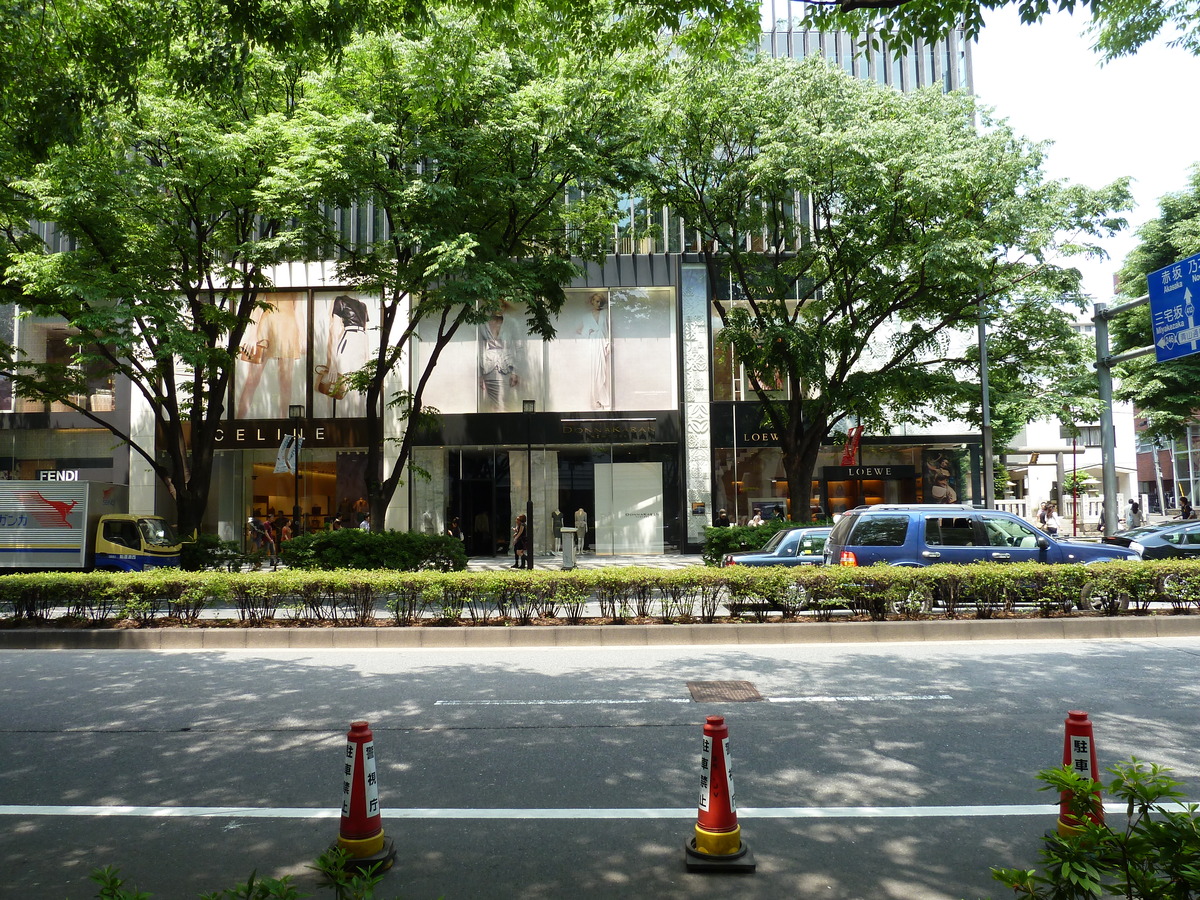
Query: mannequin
[
  {"x": 581, "y": 522},
  {"x": 556, "y": 518}
]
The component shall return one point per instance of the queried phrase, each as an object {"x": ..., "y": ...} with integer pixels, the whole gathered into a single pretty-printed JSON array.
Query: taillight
[{"x": 848, "y": 559}]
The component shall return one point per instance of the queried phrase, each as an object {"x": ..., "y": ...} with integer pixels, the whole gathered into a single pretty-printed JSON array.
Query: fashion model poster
[
  {"x": 943, "y": 477},
  {"x": 509, "y": 362},
  {"x": 344, "y": 331},
  {"x": 269, "y": 374}
]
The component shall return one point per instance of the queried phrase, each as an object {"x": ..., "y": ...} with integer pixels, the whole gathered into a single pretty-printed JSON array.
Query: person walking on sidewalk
[{"x": 520, "y": 542}]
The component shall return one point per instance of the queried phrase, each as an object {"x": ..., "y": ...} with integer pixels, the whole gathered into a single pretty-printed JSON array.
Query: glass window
[
  {"x": 124, "y": 534},
  {"x": 1001, "y": 531},
  {"x": 944, "y": 531},
  {"x": 880, "y": 531}
]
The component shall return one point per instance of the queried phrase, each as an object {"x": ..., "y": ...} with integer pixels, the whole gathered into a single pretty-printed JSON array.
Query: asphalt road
[{"x": 869, "y": 771}]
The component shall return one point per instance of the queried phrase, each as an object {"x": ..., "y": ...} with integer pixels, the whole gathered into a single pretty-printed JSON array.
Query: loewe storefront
[{"x": 748, "y": 470}]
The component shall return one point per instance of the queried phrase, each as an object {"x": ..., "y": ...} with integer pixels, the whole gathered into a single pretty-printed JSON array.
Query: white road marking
[
  {"x": 780, "y": 812},
  {"x": 880, "y": 698},
  {"x": 558, "y": 702}
]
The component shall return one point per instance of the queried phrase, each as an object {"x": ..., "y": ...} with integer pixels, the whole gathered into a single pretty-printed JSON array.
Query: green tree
[
  {"x": 1120, "y": 27},
  {"x": 157, "y": 181},
  {"x": 493, "y": 160},
  {"x": 1167, "y": 394},
  {"x": 853, "y": 234},
  {"x": 158, "y": 139}
]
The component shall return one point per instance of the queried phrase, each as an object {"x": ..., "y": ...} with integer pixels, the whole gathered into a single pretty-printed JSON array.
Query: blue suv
[{"x": 922, "y": 535}]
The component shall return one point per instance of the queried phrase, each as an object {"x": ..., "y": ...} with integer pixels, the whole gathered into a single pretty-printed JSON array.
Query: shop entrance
[{"x": 621, "y": 499}]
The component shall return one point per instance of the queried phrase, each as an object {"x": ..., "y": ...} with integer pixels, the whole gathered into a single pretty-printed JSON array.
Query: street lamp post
[
  {"x": 529, "y": 407},
  {"x": 296, "y": 412}
]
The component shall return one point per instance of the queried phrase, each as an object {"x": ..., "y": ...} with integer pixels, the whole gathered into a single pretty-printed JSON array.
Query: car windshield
[
  {"x": 157, "y": 532},
  {"x": 774, "y": 541}
]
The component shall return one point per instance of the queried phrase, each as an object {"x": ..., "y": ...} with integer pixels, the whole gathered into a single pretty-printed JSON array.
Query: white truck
[{"x": 83, "y": 525}]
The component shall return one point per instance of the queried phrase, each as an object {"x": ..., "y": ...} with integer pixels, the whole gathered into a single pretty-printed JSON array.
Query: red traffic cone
[
  {"x": 1079, "y": 753},
  {"x": 361, "y": 834},
  {"x": 717, "y": 844}
]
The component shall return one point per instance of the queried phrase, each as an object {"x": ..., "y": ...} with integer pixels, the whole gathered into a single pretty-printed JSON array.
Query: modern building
[{"x": 633, "y": 425}]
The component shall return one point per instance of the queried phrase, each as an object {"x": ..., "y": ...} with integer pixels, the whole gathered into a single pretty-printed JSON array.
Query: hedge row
[{"x": 680, "y": 595}]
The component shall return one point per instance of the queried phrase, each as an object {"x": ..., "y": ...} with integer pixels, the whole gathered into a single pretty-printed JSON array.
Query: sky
[{"x": 1135, "y": 116}]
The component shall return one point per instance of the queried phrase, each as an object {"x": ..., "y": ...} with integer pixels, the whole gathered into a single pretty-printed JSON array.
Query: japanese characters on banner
[
  {"x": 706, "y": 747},
  {"x": 372, "y": 782}
]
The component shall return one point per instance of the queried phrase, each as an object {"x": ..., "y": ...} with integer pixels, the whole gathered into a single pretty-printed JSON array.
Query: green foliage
[
  {"x": 347, "y": 882},
  {"x": 353, "y": 548},
  {"x": 1153, "y": 853},
  {"x": 208, "y": 551},
  {"x": 1119, "y": 27},
  {"x": 925, "y": 214},
  {"x": 720, "y": 541},
  {"x": 1167, "y": 394},
  {"x": 356, "y": 596}
]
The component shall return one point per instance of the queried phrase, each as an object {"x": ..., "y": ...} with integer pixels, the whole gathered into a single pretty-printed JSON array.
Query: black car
[
  {"x": 1176, "y": 542},
  {"x": 1125, "y": 538},
  {"x": 791, "y": 547}
]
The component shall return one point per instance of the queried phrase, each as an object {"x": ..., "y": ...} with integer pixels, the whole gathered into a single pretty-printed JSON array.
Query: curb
[{"x": 1091, "y": 628}]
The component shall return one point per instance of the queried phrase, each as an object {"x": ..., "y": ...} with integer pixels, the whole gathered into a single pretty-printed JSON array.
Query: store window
[{"x": 614, "y": 349}]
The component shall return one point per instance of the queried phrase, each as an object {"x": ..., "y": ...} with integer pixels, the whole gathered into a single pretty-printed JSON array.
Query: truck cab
[{"x": 128, "y": 543}]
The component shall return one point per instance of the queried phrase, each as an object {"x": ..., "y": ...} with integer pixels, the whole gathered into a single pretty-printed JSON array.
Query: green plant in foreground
[
  {"x": 1153, "y": 853},
  {"x": 346, "y": 882}
]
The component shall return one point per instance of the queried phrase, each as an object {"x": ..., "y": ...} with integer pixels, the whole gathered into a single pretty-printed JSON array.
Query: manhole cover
[{"x": 723, "y": 691}]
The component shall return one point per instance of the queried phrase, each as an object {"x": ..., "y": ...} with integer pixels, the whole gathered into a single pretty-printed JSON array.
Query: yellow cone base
[
  {"x": 362, "y": 854},
  {"x": 711, "y": 851},
  {"x": 718, "y": 843}
]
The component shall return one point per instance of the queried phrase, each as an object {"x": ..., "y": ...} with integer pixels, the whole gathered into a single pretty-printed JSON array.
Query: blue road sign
[{"x": 1174, "y": 292}]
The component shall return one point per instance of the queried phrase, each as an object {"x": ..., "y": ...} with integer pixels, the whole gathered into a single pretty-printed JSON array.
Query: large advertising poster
[
  {"x": 509, "y": 362},
  {"x": 270, "y": 374},
  {"x": 345, "y": 337},
  {"x": 613, "y": 350},
  {"x": 943, "y": 477}
]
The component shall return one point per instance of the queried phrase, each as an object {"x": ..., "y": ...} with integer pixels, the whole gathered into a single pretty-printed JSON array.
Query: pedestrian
[
  {"x": 520, "y": 542},
  {"x": 722, "y": 520},
  {"x": 1053, "y": 523},
  {"x": 756, "y": 519},
  {"x": 365, "y": 524},
  {"x": 270, "y": 542},
  {"x": 455, "y": 530},
  {"x": 1135, "y": 513},
  {"x": 1185, "y": 508},
  {"x": 1043, "y": 512}
]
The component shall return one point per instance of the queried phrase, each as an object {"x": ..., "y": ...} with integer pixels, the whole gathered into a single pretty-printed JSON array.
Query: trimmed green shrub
[
  {"x": 208, "y": 551},
  {"x": 353, "y": 548},
  {"x": 719, "y": 541}
]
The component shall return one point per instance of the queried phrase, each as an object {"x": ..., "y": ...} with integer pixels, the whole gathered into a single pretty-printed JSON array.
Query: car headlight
[{"x": 1136, "y": 547}]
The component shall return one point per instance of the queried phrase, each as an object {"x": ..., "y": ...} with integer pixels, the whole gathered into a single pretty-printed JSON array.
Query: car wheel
[
  {"x": 1102, "y": 598},
  {"x": 917, "y": 600}
]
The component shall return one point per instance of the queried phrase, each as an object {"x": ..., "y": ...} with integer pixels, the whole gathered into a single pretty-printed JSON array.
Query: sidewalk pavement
[{"x": 589, "y": 560}]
